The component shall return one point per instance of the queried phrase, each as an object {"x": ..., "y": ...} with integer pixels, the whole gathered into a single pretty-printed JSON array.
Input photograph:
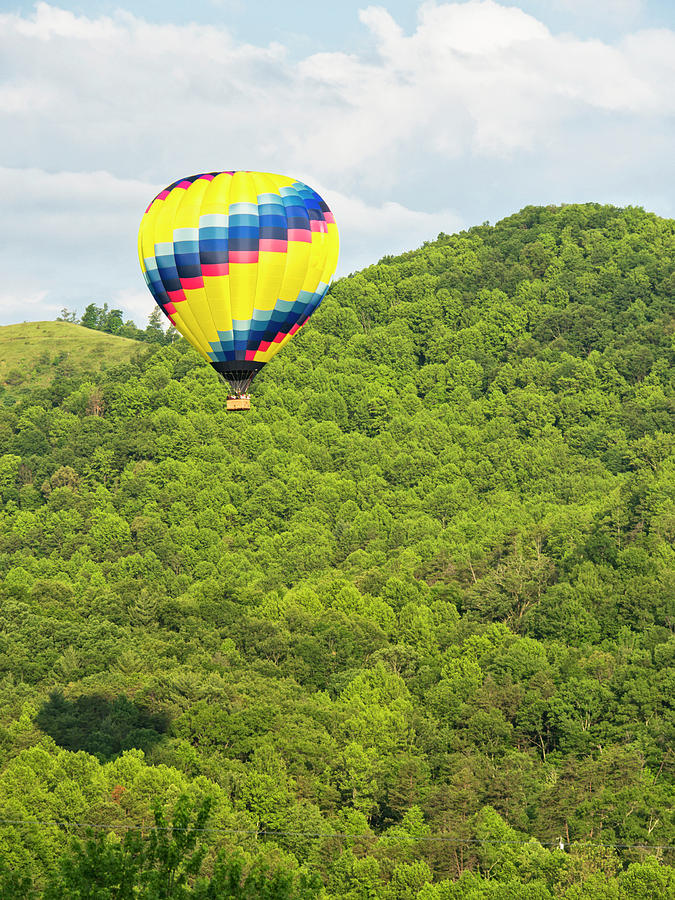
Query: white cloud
[
  {"x": 22, "y": 303},
  {"x": 133, "y": 97},
  {"x": 67, "y": 237},
  {"x": 136, "y": 303},
  {"x": 369, "y": 232},
  {"x": 474, "y": 77},
  {"x": 58, "y": 203},
  {"x": 477, "y": 110}
]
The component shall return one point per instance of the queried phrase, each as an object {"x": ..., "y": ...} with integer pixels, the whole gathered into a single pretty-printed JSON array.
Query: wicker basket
[{"x": 238, "y": 403}]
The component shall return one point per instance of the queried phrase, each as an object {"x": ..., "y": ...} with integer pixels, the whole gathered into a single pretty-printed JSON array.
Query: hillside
[
  {"x": 409, "y": 622},
  {"x": 30, "y": 352}
]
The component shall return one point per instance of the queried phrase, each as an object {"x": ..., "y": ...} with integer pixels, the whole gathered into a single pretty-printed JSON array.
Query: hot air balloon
[{"x": 238, "y": 261}]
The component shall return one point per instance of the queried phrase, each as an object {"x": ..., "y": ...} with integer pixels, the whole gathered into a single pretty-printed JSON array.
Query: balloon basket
[{"x": 238, "y": 403}]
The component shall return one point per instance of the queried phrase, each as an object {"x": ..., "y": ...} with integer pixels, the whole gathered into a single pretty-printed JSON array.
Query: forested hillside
[{"x": 409, "y": 622}]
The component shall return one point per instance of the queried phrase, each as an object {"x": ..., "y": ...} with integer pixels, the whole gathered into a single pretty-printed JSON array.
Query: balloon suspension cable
[{"x": 239, "y": 383}]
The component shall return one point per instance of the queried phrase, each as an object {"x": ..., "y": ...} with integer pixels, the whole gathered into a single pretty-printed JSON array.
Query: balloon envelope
[{"x": 238, "y": 261}]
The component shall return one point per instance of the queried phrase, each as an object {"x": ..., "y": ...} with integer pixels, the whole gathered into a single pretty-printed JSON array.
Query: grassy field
[{"x": 30, "y": 351}]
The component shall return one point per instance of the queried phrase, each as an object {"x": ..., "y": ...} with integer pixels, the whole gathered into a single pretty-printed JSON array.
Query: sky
[{"x": 409, "y": 118}]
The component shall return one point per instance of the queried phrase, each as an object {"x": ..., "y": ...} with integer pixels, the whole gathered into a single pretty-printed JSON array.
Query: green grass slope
[{"x": 31, "y": 352}]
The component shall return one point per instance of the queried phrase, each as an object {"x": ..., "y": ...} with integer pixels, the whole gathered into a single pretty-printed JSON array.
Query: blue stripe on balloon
[
  {"x": 186, "y": 246},
  {"x": 242, "y": 231},
  {"x": 243, "y": 222},
  {"x": 271, "y": 232},
  {"x": 271, "y": 199},
  {"x": 214, "y": 257},
  {"x": 213, "y": 245},
  {"x": 212, "y": 234},
  {"x": 278, "y": 220},
  {"x": 243, "y": 243}
]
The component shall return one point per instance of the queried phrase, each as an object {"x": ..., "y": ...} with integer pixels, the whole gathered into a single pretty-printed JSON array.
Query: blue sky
[
  {"x": 327, "y": 25},
  {"x": 410, "y": 118}
]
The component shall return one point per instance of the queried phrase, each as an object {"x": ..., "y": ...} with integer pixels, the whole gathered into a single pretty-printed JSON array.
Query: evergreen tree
[{"x": 154, "y": 331}]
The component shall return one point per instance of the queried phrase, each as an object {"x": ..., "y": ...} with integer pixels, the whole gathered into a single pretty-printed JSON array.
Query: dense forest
[{"x": 405, "y": 630}]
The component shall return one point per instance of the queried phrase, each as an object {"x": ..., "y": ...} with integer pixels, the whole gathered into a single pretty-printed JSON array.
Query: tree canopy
[{"x": 408, "y": 624}]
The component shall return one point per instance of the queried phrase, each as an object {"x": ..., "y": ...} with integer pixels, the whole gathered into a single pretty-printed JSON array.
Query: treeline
[
  {"x": 111, "y": 321},
  {"x": 162, "y": 860},
  {"x": 409, "y": 623},
  {"x": 172, "y": 860}
]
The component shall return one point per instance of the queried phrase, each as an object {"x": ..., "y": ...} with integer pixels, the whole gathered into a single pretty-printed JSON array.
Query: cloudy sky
[{"x": 409, "y": 118}]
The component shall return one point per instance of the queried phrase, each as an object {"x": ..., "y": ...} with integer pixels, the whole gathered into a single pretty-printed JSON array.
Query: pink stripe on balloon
[
  {"x": 207, "y": 177},
  {"x": 162, "y": 195},
  {"x": 177, "y": 296},
  {"x": 299, "y": 234},
  {"x": 329, "y": 217},
  {"x": 276, "y": 245},
  {"x": 250, "y": 354},
  {"x": 169, "y": 309},
  {"x": 192, "y": 284},
  {"x": 243, "y": 256},
  {"x": 279, "y": 337},
  {"x": 215, "y": 269},
  {"x": 294, "y": 328},
  {"x": 316, "y": 225},
  {"x": 184, "y": 184},
  {"x": 264, "y": 345}
]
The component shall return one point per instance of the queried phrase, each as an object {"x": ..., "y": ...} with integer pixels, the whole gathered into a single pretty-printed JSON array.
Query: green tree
[
  {"x": 113, "y": 321},
  {"x": 154, "y": 331},
  {"x": 91, "y": 316}
]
